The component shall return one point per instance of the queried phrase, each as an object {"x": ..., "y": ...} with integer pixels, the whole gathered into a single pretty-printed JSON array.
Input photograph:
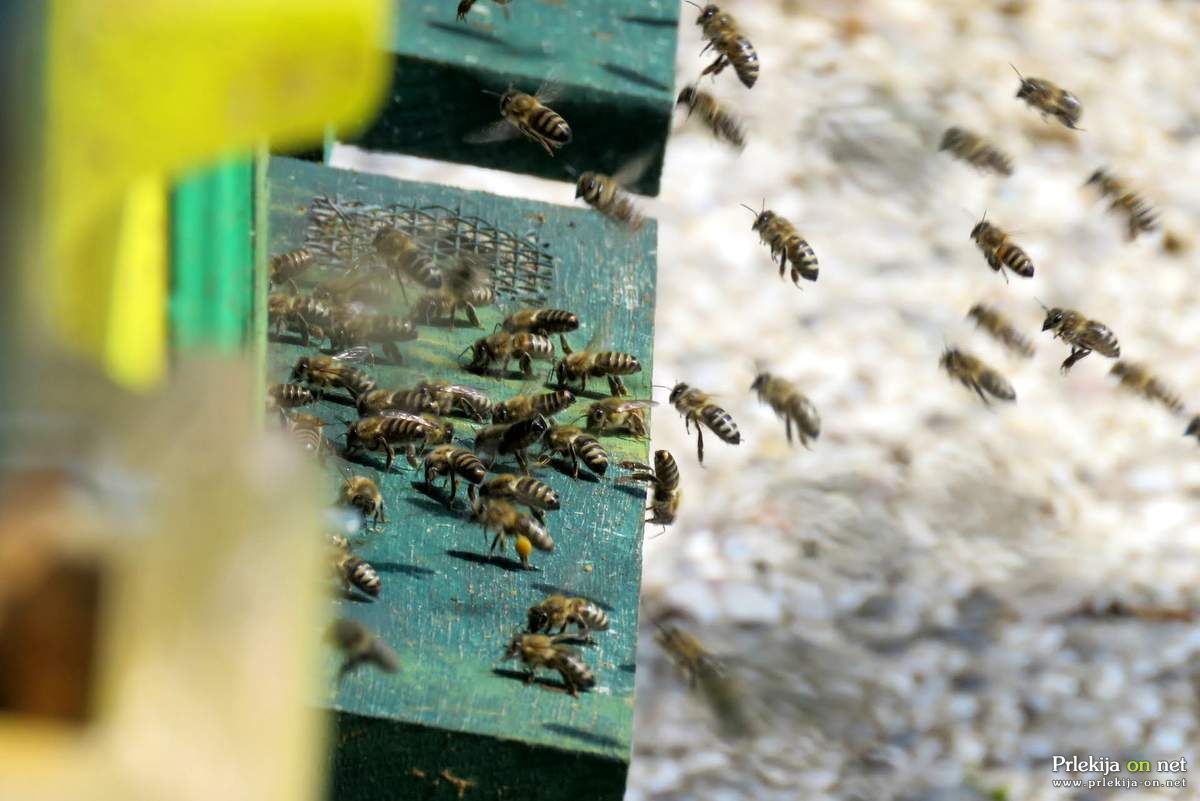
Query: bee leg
[
  {"x": 979, "y": 391},
  {"x": 539, "y": 515},
  {"x": 566, "y": 348},
  {"x": 788, "y": 423},
  {"x": 410, "y": 453},
  {"x": 526, "y": 362},
  {"x": 379, "y": 518},
  {"x": 472, "y": 315},
  {"x": 541, "y": 140},
  {"x": 495, "y": 540},
  {"x": 391, "y": 455},
  {"x": 472, "y": 494},
  {"x": 699, "y": 444},
  {"x": 522, "y": 462},
  {"x": 574, "y": 464},
  {"x": 453, "y": 488}
]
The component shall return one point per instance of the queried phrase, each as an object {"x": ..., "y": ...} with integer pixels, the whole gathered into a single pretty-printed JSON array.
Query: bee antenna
[
  {"x": 749, "y": 209},
  {"x": 690, "y": 3},
  {"x": 1014, "y": 69},
  {"x": 1045, "y": 308},
  {"x": 490, "y": 92}
]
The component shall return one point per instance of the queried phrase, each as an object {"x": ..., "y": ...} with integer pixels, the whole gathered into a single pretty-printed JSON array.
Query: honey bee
[
  {"x": 405, "y": 259},
  {"x": 1000, "y": 251},
  {"x": 1193, "y": 429},
  {"x": 521, "y": 407},
  {"x": 458, "y": 399},
  {"x": 1050, "y": 100},
  {"x": 605, "y": 194},
  {"x": 455, "y": 462},
  {"x": 1141, "y": 217},
  {"x": 1001, "y": 329},
  {"x": 664, "y": 477},
  {"x": 353, "y": 572},
  {"x": 501, "y": 348},
  {"x": 503, "y": 518},
  {"x": 335, "y": 371},
  {"x": 413, "y": 401},
  {"x": 697, "y": 407},
  {"x": 359, "y": 645},
  {"x": 539, "y": 496},
  {"x": 559, "y": 611},
  {"x": 541, "y": 321},
  {"x": 582, "y": 365},
  {"x": 312, "y": 318},
  {"x": 354, "y": 324},
  {"x": 464, "y": 7},
  {"x": 512, "y": 439},
  {"x": 466, "y": 285},
  {"x": 727, "y": 40},
  {"x": 789, "y": 403},
  {"x": 705, "y": 673},
  {"x": 977, "y": 375},
  {"x": 359, "y": 285},
  {"x": 307, "y": 430},
  {"x": 540, "y": 651},
  {"x": 1082, "y": 334},
  {"x": 579, "y": 446},
  {"x": 529, "y": 116},
  {"x": 725, "y": 126},
  {"x": 786, "y": 245},
  {"x": 976, "y": 151},
  {"x": 363, "y": 494},
  {"x": 393, "y": 428},
  {"x": 287, "y": 267},
  {"x": 688, "y": 654},
  {"x": 618, "y": 414},
  {"x": 289, "y": 396},
  {"x": 1138, "y": 378}
]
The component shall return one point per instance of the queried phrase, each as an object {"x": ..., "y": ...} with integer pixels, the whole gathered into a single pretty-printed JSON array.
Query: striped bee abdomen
[
  {"x": 611, "y": 362},
  {"x": 360, "y": 574},
  {"x": 574, "y": 671},
  {"x": 551, "y": 125},
  {"x": 721, "y": 424},
  {"x": 976, "y": 151}
]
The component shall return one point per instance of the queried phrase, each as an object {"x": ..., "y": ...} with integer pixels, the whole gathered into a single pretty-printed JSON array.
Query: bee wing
[
  {"x": 550, "y": 90},
  {"x": 1099, "y": 338},
  {"x": 632, "y": 170},
  {"x": 635, "y": 466},
  {"x": 629, "y": 406},
  {"x": 499, "y": 131},
  {"x": 359, "y": 353}
]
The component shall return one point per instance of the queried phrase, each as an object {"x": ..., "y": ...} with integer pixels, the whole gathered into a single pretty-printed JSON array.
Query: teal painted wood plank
[
  {"x": 614, "y": 59},
  {"x": 448, "y": 613}
]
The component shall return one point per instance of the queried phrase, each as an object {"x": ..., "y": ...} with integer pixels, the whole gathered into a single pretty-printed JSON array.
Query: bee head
[
  {"x": 760, "y": 381},
  {"x": 588, "y": 185},
  {"x": 677, "y": 391},
  {"x": 951, "y": 138},
  {"x": 1119, "y": 369},
  {"x": 514, "y": 646},
  {"x": 595, "y": 417},
  {"x": 1193, "y": 427},
  {"x": 949, "y": 356},
  {"x": 979, "y": 228},
  {"x": 976, "y": 310},
  {"x": 1054, "y": 318},
  {"x": 300, "y": 368},
  {"x": 1096, "y": 177},
  {"x": 538, "y": 619},
  {"x": 686, "y": 96},
  {"x": 507, "y": 99},
  {"x": 708, "y": 12}
]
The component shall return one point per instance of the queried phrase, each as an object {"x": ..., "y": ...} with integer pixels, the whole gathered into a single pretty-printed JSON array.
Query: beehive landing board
[
  {"x": 615, "y": 61},
  {"x": 446, "y": 608}
]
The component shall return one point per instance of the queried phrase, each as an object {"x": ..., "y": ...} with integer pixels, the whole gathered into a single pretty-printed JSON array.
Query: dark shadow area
[
  {"x": 467, "y": 32},
  {"x": 521, "y": 676},
  {"x": 584, "y": 735},
  {"x": 441, "y": 495},
  {"x": 550, "y": 589},
  {"x": 628, "y": 668},
  {"x": 653, "y": 22},
  {"x": 287, "y": 339},
  {"x": 434, "y": 506},
  {"x": 354, "y": 595},
  {"x": 633, "y": 76},
  {"x": 564, "y": 466},
  {"x": 632, "y": 490},
  {"x": 503, "y": 562},
  {"x": 399, "y": 567}
]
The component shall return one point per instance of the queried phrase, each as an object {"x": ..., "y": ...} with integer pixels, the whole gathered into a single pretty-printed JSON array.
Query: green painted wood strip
[
  {"x": 449, "y": 614},
  {"x": 614, "y": 58}
]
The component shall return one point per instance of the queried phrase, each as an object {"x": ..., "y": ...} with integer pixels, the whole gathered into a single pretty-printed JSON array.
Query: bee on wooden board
[
  {"x": 786, "y": 244},
  {"x": 466, "y": 285},
  {"x": 606, "y": 194},
  {"x": 406, "y": 260},
  {"x": 664, "y": 479},
  {"x": 521, "y": 407},
  {"x": 352, "y": 571},
  {"x": 359, "y": 285},
  {"x": 1082, "y": 334},
  {"x": 458, "y": 399},
  {"x": 1138, "y": 378},
  {"x": 579, "y": 446},
  {"x": 541, "y": 321},
  {"x": 541, "y": 651},
  {"x": 337, "y": 370},
  {"x": 360, "y": 645},
  {"x": 528, "y": 116},
  {"x": 288, "y": 396},
  {"x": 363, "y": 494},
  {"x": 538, "y": 496},
  {"x": 591, "y": 363},
  {"x": 619, "y": 415},
  {"x": 725, "y": 126},
  {"x": 731, "y": 46},
  {"x": 1139, "y": 215},
  {"x": 698, "y": 407},
  {"x": 1050, "y": 99},
  {"x": 312, "y": 318},
  {"x": 501, "y": 348},
  {"x": 791, "y": 404},
  {"x": 502, "y": 518},
  {"x": 464, "y": 8},
  {"x": 413, "y": 401},
  {"x": 1003, "y": 331},
  {"x": 512, "y": 439},
  {"x": 390, "y": 429},
  {"x": 287, "y": 267},
  {"x": 977, "y": 375},
  {"x": 976, "y": 151},
  {"x": 1000, "y": 251},
  {"x": 355, "y": 324},
  {"x": 454, "y": 462},
  {"x": 559, "y": 612}
]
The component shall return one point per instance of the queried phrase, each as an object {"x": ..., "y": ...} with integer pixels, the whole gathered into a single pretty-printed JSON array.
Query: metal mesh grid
[{"x": 340, "y": 232}]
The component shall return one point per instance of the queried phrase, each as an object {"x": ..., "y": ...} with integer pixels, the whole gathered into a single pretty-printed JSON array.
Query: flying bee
[
  {"x": 541, "y": 321},
  {"x": 353, "y": 572},
  {"x": 503, "y": 518},
  {"x": 1050, "y": 100},
  {"x": 1004, "y": 332},
  {"x": 512, "y": 439},
  {"x": 455, "y": 462},
  {"x": 1000, "y": 251},
  {"x": 606, "y": 194},
  {"x": 360, "y": 285},
  {"x": 705, "y": 674},
  {"x": 466, "y": 285},
  {"x": 538, "y": 496},
  {"x": 786, "y": 244},
  {"x": 458, "y": 399},
  {"x": 289, "y": 396},
  {"x": 976, "y": 151},
  {"x": 1141, "y": 217},
  {"x": 791, "y": 404},
  {"x": 975, "y": 374},
  {"x": 616, "y": 415},
  {"x": 1193, "y": 429},
  {"x": 335, "y": 371},
  {"x": 354, "y": 324},
  {"x": 464, "y": 7},
  {"x": 287, "y": 267},
  {"x": 559, "y": 611},
  {"x": 393, "y": 428},
  {"x": 363, "y": 494},
  {"x": 529, "y": 116},
  {"x": 688, "y": 654},
  {"x": 1138, "y": 378},
  {"x": 405, "y": 259},
  {"x": 359, "y": 645},
  {"x": 588, "y": 363},
  {"x": 664, "y": 478},
  {"x": 540, "y": 651},
  {"x": 727, "y": 40},
  {"x": 501, "y": 348},
  {"x": 698, "y": 407},
  {"x": 579, "y": 446},
  {"x": 413, "y": 401},
  {"x": 521, "y": 407},
  {"x": 312, "y": 318},
  {"x": 725, "y": 126},
  {"x": 1082, "y": 334}
]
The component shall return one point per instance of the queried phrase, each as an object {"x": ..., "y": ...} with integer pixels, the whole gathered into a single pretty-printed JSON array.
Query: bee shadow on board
[
  {"x": 634, "y": 76},
  {"x": 465, "y": 32},
  {"x": 511, "y": 565},
  {"x": 584, "y": 735},
  {"x": 289, "y": 338},
  {"x": 364, "y": 458},
  {"x": 632, "y": 490},
  {"x": 355, "y": 596},
  {"x": 564, "y": 466},
  {"x": 415, "y": 571},
  {"x": 545, "y": 683},
  {"x": 443, "y": 503}
]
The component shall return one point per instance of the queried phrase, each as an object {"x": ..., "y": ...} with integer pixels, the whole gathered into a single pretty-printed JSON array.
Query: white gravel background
[{"x": 899, "y": 603}]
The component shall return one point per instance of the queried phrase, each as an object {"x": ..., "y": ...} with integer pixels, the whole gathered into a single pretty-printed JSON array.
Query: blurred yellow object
[{"x": 138, "y": 90}]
